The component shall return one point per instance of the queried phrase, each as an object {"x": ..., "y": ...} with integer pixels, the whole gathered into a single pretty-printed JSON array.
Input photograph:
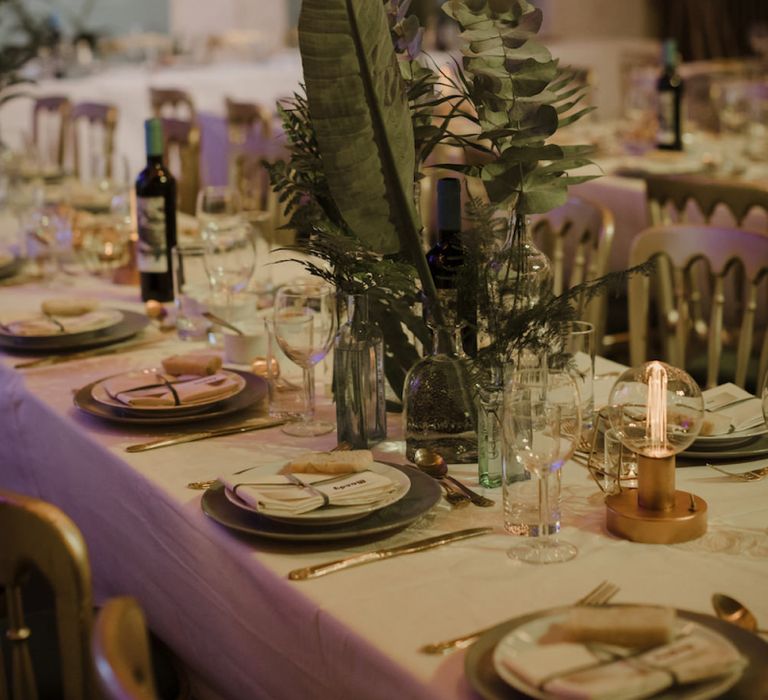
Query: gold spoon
[
  {"x": 730, "y": 610},
  {"x": 432, "y": 463},
  {"x": 219, "y": 321}
]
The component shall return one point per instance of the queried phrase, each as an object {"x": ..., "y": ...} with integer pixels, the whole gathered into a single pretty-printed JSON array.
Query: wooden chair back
[
  {"x": 181, "y": 145},
  {"x": 50, "y": 140},
  {"x": 172, "y": 103},
  {"x": 121, "y": 655},
  {"x": 725, "y": 269},
  {"x": 664, "y": 192},
  {"x": 99, "y": 117},
  {"x": 37, "y": 537},
  {"x": 578, "y": 237}
]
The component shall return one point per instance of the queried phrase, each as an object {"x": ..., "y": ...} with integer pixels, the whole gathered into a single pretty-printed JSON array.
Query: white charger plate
[
  {"x": 146, "y": 376},
  {"x": 328, "y": 515},
  {"x": 527, "y": 635}
]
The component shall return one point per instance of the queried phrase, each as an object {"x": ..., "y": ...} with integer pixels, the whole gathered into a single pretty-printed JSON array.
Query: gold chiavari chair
[
  {"x": 98, "y": 117},
  {"x": 172, "y": 103},
  {"x": 728, "y": 267},
  {"x": 121, "y": 651},
  {"x": 577, "y": 237},
  {"x": 668, "y": 198},
  {"x": 181, "y": 145},
  {"x": 50, "y": 137},
  {"x": 40, "y": 541},
  {"x": 45, "y": 574}
]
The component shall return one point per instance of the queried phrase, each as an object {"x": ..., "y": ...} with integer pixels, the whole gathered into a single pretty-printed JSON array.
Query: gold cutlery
[
  {"x": 754, "y": 475},
  {"x": 83, "y": 354},
  {"x": 256, "y": 424},
  {"x": 600, "y": 595},
  {"x": 358, "y": 559}
]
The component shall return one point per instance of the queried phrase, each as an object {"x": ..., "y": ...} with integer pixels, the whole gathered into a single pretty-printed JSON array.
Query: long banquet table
[{"x": 223, "y": 601}]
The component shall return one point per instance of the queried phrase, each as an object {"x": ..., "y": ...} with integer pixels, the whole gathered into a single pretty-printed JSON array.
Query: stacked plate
[
  {"x": 735, "y": 425},
  {"x": 151, "y": 397},
  {"x": 490, "y": 660},
  {"x": 410, "y": 495},
  {"x": 47, "y": 334}
]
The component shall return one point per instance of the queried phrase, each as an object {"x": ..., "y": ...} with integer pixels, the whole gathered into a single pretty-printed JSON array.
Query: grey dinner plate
[
  {"x": 753, "y": 683},
  {"x": 130, "y": 324},
  {"x": 254, "y": 391},
  {"x": 756, "y": 447},
  {"x": 422, "y": 496}
]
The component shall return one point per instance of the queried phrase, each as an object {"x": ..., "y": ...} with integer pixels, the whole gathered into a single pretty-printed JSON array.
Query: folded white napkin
[
  {"x": 733, "y": 405},
  {"x": 57, "y": 325},
  {"x": 587, "y": 672},
  {"x": 158, "y": 389},
  {"x": 294, "y": 494}
]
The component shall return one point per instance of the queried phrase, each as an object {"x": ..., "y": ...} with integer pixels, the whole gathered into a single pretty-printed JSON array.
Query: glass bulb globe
[{"x": 656, "y": 409}]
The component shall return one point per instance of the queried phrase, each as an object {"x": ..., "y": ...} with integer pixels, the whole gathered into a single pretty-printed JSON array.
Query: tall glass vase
[
  {"x": 358, "y": 377},
  {"x": 439, "y": 403},
  {"x": 490, "y": 403}
]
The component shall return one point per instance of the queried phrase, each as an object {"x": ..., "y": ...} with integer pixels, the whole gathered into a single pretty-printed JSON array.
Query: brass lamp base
[
  {"x": 656, "y": 513},
  {"x": 627, "y": 519}
]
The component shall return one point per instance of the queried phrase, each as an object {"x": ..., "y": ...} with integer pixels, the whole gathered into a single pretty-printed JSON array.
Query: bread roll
[
  {"x": 197, "y": 364},
  {"x": 623, "y": 625},
  {"x": 342, "y": 462},
  {"x": 69, "y": 306}
]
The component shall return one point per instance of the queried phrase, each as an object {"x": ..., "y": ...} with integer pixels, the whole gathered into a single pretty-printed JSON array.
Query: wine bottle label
[
  {"x": 666, "y": 133},
  {"x": 151, "y": 253}
]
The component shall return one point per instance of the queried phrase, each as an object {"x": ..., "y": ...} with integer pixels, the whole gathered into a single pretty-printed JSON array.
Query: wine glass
[
  {"x": 230, "y": 259},
  {"x": 220, "y": 205},
  {"x": 542, "y": 424},
  {"x": 304, "y": 322}
]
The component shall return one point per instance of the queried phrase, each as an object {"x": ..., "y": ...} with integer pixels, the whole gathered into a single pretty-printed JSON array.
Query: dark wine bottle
[
  {"x": 669, "y": 88},
  {"x": 446, "y": 260},
  {"x": 156, "y": 219}
]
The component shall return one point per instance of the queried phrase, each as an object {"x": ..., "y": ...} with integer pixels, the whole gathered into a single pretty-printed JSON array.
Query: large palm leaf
[{"x": 359, "y": 110}]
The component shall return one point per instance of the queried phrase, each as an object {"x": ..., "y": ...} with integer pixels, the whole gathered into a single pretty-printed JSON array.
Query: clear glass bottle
[
  {"x": 439, "y": 404},
  {"x": 522, "y": 272},
  {"x": 358, "y": 377}
]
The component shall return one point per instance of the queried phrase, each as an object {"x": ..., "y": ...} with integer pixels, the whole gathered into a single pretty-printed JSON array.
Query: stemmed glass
[
  {"x": 304, "y": 324},
  {"x": 542, "y": 423}
]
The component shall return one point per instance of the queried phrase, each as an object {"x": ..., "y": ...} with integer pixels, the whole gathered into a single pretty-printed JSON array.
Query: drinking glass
[
  {"x": 230, "y": 259},
  {"x": 304, "y": 322},
  {"x": 220, "y": 205},
  {"x": 542, "y": 424}
]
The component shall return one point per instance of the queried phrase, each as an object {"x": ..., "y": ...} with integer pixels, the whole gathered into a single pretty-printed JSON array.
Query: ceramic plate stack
[
  {"x": 109, "y": 326},
  {"x": 414, "y": 494},
  {"x": 241, "y": 390}
]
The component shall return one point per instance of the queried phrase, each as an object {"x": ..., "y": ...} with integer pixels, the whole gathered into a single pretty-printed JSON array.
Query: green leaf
[{"x": 360, "y": 114}]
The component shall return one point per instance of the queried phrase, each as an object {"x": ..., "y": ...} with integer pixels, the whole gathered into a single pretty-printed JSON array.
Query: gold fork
[
  {"x": 754, "y": 475},
  {"x": 600, "y": 595}
]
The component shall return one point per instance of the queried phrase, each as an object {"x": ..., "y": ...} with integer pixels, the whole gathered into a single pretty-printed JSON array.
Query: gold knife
[
  {"x": 257, "y": 424},
  {"x": 358, "y": 559},
  {"x": 95, "y": 352}
]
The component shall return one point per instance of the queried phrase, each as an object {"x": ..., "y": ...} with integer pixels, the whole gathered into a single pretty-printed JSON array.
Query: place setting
[
  {"x": 321, "y": 496},
  {"x": 69, "y": 325},
  {"x": 185, "y": 388},
  {"x": 616, "y": 650},
  {"x": 734, "y": 426}
]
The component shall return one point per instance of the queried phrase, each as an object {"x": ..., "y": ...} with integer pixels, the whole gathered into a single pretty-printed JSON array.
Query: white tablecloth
[{"x": 223, "y": 601}]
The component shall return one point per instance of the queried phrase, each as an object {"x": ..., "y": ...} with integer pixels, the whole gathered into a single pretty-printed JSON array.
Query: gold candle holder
[
  {"x": 655, "y": 512},
  {"x": 656, "y": 424}
]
